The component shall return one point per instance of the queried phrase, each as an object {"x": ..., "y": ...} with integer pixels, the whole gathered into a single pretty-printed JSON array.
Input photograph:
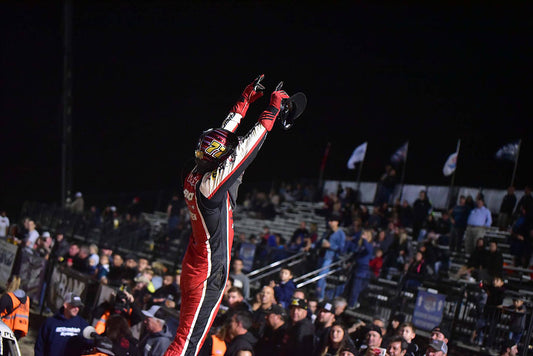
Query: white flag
[
  {"x": 450, "y": 165},
  {"x": 358, "y": 155}
]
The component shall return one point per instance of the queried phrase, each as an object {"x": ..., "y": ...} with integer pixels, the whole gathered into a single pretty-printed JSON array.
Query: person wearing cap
[
  {"x": 300, "y": 336},
  {"x": 77, "y": 205},
  {"x": 272, "y": 340},
  {"x": 509, "y": 348},
  {"x": 324, "y": 321},
  {"x": 373, "y": 340},
  {"x": 440, "y": 333},
  {"x": 59, "y": 248},
  {"x": 331, "y": 246},
  {"x": 157, "y": 338},
  {"x": 436, "y": 348},
  {"x": 62, "y": 334}
]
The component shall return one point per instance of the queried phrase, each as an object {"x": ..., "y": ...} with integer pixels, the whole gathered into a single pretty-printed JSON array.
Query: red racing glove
[
  {"x": 268, "y": 117},
  {"x": 250, "y": 94}
]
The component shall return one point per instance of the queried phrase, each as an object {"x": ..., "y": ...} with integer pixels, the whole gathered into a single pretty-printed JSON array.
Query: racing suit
[{"x": 211, "y": 198}]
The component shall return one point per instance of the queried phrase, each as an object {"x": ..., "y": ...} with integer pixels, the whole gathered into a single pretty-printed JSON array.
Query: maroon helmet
[{"x": 214, "y": 147}]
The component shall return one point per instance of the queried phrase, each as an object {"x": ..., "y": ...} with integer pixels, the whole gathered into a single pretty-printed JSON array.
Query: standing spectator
[
  {"x": 361, "y": 270},
  {"x": 440, "y": 333},
  {"x": 32, "y": 235},
  {"x": 240, "y": 339},
  {"x": 331, "y": 247},
  {"x": 517, "y": 321},
  {"x": 459, "y": 216},
  {"x": 376, "y": 263},
  {"x": 478, "y": 221},
  {"x": 173, "y": 215},
  {"x": 421, "y": 209},
  {"x": 406, "y": 214},
  {"x": 157, "y": 338},
  {"x": 240, "y": 280},
  {"x": 494, "y": 258},
  {"x": 272, "y": 341},
  {"x": 61, "y": 334},
  {"x": 4, "y": 225},
  {"x": 526, "y": 202},
  {"x": 60, "y": 247},
  {"x": 284, "y": 290},
  {"x": 506, "y": 209},
  {"x": 300, "y": 336},
  {"x": 77, "y": 205}
]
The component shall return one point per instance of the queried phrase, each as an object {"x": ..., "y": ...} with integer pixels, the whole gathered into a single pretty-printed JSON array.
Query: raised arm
[{"x": 251, "y": 93}]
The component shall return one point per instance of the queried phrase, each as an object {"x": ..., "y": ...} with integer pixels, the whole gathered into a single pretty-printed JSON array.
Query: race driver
[{"x": 210, "y": 192}]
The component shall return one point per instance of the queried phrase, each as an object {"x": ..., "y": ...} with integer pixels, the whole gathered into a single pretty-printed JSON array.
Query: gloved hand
[
  {"x": 268, "y": 117},
  {"x": 251, "y": 93}
]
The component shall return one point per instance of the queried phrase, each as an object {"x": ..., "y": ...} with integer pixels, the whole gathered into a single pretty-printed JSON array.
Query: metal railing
[{"x": 276, "y": 266}]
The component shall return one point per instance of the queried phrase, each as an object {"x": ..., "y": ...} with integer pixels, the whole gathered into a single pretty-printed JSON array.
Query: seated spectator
[
  {"x": 285, "y": 288},
  {"x": 240, "y": 339},
  {"x": 337, "y": 339},
  {"x": 118, "y": 331},
  {"x": 156, "y": 338},
  {"x": 272, "y": 340},
  {"x": 416, "y": 272},
  {"x": 476, "y": 262},
  {"x": 394, "y": 326}
]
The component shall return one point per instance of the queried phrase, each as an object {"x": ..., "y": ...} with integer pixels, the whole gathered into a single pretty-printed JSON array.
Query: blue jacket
[
  {"x": 61, "y": 336},
  {"x": 362, "y": 256},
  {"x": 337, "y": 241},
  {"x": 283, "y": 293}
]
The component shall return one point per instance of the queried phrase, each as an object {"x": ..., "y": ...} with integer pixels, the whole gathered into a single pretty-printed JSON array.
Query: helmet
[{"x": 214, "y": 147}]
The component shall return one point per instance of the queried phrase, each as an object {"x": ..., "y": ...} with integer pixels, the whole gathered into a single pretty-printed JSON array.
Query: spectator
[
  {"x": 272, "y": 341},
  {"x": 301, "y": 334},
  {"x": 517, "y": 322},
  {"x": 81, "y": 262},
  {"x": 406, "y": 214},
  {"x": 157, "y": 338},
  {"x": 43, "y": 247},
  {"x": 416, "y": 272},
  {"x": 506, "y": 209},
  {"x": 4, "y": 225},
  {"x": 509, "y": 348},
  {"x": 323, "y": 323},
  {"x": 312, "y": 309},
  {"x": 407, "y": 331},
  {"x": 301, "y": 232},
  {"x": 240, "y": 339},
  {"x": 77, "y": 205},
  {"x": 15, "y": 308},
  {"x": 459, "y": 216},
  {"x": 122, "y": 304},
  {"x": 337, "y": 338},
  {"x": 376, "y": 263},
  {"x": 436, "y": 348},
  {"x": 102, "y": 269},
  {"x": 169, "y": 291},
  {"x": 32, "y": 235},
  {"x": 476, "y": 262},
  {"x": 240, "y": 279},
  {"x": 259, "y": 321},
  {"x": 61, "y": 334},
  {"x": 330, "y": 246},
  {"x": 525, "y": 203},
  {"x": 421, "y": 209},
  {"x": 397, "y": 346},
  {"x": 72, "y": 256},
  {"x": 373, "y": 341},
  {"x": 117, "y": 271},
  {"x": 440, "y": 333},
  {"x": 118, "y": 331},
  {"x": 284, "y": 290},
  {"x": 494, "y": 260},
  {"x": 479, "y": 220},
  {"x": 361, "y": 270},
  {"x": 60, "y": 248}
]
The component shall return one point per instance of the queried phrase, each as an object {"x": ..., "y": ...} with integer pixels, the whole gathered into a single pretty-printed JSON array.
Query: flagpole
[
  {"x": 359, "y": 173},
  {"x": 450, "y": 189},
  {"x": 516, "y": 162},
  {"x": 323, "y": 168},
  {"x": 403, "y": 170}
]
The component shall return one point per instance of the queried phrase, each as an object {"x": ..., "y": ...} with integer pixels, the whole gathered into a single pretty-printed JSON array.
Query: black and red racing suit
[{"x": 210, "y": 198}]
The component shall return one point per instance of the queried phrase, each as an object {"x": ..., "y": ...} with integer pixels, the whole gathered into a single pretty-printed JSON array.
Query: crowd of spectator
[{"x": 409, "y": 241}]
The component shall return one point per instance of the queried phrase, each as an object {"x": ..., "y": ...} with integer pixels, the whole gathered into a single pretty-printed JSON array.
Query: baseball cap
[
  {"x": 150, "y": 313},
  {"x": 300, "y": 303},
  {"x": 375, "y": 328},
  {"x": 277, "y": 309},
  {"x": 334, "y": 216},
  {"x": 438, "y": 345},
  {"x": 441, "y": 329},
  {"x": 326, "y": 306},
  {"x": 73, "y": 299},
  {"x": 141, "y": 279},
  {"x": 45, "y": 234}
]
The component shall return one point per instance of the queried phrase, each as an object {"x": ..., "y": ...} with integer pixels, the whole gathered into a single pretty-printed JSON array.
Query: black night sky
[{"x": 148, "y": 77}]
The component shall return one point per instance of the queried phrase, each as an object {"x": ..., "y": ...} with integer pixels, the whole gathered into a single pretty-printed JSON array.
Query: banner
[
  {"x": 428, "y": 310},
  {"x": 401, "y": 154},
  {"x": 32, "y": 273},
  {"x": 509, "y": 151},
  {"x": 450, "y": 165},
  {"x": 8, "y": 252},
  {"x": 63, "y": 281},
  {"x": 358, "y": 155}
]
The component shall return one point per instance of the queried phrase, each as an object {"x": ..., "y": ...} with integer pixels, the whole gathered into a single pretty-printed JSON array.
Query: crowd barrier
[{"x": 438, "y": 195}]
